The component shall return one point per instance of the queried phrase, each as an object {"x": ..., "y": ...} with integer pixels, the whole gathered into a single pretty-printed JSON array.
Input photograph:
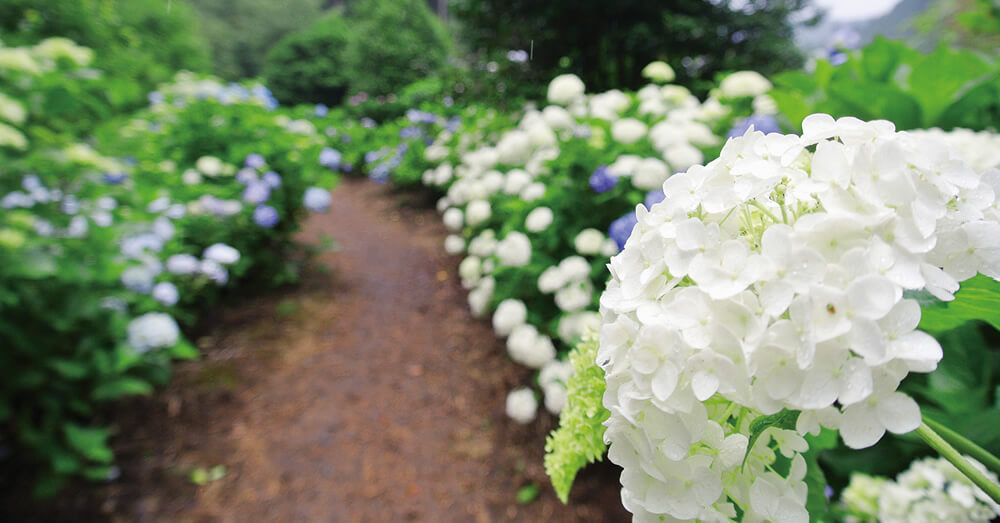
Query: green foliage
[
  {"x": 241, "y": 32},
  {"x": 395, "y": 42},
  {"x": 978, "y": 299},
  {"x": 697, "y": 38},
  {"x": 138, "y": 43},
  {"x": 887, "y": 80},
  {"x": 308, "y": 65},
  {"x": 579, "y": 440}
]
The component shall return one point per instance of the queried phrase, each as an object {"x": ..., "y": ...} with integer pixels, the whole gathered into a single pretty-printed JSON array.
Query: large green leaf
[
  {"x": 938, "y": 79},
  {"x": 873, "y": 101},
  {"x": 978, "y": 299}
]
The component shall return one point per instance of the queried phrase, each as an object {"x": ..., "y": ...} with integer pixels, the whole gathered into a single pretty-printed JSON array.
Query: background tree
[
  {"x": 608, "y": 43},
  {"x": 242, "y": 31}
]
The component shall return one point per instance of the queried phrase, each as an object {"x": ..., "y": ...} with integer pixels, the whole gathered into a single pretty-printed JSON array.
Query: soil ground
[{"x": 367, "y": 393}]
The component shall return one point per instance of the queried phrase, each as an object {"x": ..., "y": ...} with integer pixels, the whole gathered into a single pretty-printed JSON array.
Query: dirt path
[{"x": 367, "y": 394}]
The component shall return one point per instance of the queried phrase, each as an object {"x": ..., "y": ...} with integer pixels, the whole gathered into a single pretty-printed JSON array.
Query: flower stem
[
  {"x": 965, "y": 446},
  {"x": 949, "y": 453}
]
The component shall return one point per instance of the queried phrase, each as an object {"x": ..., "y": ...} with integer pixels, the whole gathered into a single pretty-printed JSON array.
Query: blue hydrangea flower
[
  {"x": 761, "y": 122},
  {"x": 380, "y": 174},
  {"x": 330, "y": 158},
  {"x": 254, "y": 161},
  {"x": 114, "y": 178},
  {"x": 272, "y": 179},
  {"x": 265, "y": 216},
  {"x": 322, "y": 110},
  {"x": 257, "y": 191},
  {"x": 316, "y": 199},
  {"x": 654, "y": 197},
  {"x": 410, "y": 132},
  {"x": 368, "y": 123},
  {"x": 345, "y": 138},
  {"x": 621, "y": 229},
  {"x": 156, "y": 98},
  {"x": 602, "y": 180},
  {"x": 372, "y": 156}
]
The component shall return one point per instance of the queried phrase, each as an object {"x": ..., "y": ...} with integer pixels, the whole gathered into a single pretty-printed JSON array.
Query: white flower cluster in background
[
  {"x": 514, "y": 164},
  {"x": 154, "y": 330},
  {"x": 772, "y": 279},
  {"x": 932, "y": 489}
]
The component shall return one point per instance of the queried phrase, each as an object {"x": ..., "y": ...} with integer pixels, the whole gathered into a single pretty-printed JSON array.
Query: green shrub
[
  {"x": 395, "y": 43},
  {"x": 308, "y": 65},
  {"x": 137, "y": 43}
]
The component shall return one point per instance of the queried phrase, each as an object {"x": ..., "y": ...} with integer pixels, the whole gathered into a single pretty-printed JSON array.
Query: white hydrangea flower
[
  {"x": 221, "y": 253},
  {"x": 166, "y": 293},
  {"x": 182, "y": 264},
  {"x": 214, "y": 271},
  {"x": 514, "y": 250},
  {"x": 551, "y": 280},
  {"x": 682, "y": 156},
  {"x": 659, "y": 71},
  {"x": 589, "y": 241},
  {"x": 453, "y": 219},
  {"x": 209, "y": 166},
  {"x": 454, "y": 244},
  {"x": 521, "y": 405},
  {"x": 538, "y": 219},
  {"x": 573, "y": 326},
  {"x": 557, "y": 117},
  {"x": 628, "y": 130},
  {"x": 191, "y": 177},
  {"x": 650, "y": 174},
  {"x": 565, "y": 89},
  {"x": 478, "y": 211},
  {"x": 154, "y": 330},
  {"x": 511, "y": 313},
  {"x": 744, "y": 83},
  {"x": 484, "y": 244},
  {"x": 530, "y": 348},
  {"x": 470, "y": 270},
  {"x": 480, "y": 295},
  {"x": 932, "y": 489},
  {"x": 515, "y": 181},
  {"x": 772, "y": 279},
  {"x": 533, "y": 191}
]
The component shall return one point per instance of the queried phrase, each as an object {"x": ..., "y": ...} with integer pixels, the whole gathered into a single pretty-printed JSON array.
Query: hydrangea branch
[
  {"x": 948, "y": 452},
  {"x": 965, "y": 445}
]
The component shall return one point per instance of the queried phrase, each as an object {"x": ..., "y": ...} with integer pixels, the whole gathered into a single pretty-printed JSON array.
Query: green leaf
[
  {"x": 978, "y": 299},
  {"x": 937, "y": 79},
  {"x": 68, "y": 368},
  {"x": 527, "y": 494},
  {"x": 184, "y": 351},
  {"x": 817, "y": 504},
  {"x": 89, "y": 442},
  {"x": 880, "y": 59},
  {"x": 784, "y": 419},
  {"x": 121, "y": 387},
  {"x": 579, "y": 440},
  {"x": 872, "y": 101}
]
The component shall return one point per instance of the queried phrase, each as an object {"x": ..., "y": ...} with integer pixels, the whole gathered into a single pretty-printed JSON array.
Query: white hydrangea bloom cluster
[
  {"x": 154, "y": 330},
  {"x": 772, "y": 279},
  {"x": 932, "y": 489}
]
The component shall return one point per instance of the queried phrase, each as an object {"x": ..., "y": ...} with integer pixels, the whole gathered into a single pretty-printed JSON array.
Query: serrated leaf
[{"x": 784, "y": 419}]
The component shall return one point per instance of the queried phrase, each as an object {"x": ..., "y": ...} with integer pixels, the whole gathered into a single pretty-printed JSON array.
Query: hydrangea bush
[{"x": 109, "y": 246}]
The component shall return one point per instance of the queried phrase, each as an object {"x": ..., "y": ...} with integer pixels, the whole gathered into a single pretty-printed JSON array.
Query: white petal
[
  {"x": 860, "y": 426},
  {"x": 899, "y": 413}
]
